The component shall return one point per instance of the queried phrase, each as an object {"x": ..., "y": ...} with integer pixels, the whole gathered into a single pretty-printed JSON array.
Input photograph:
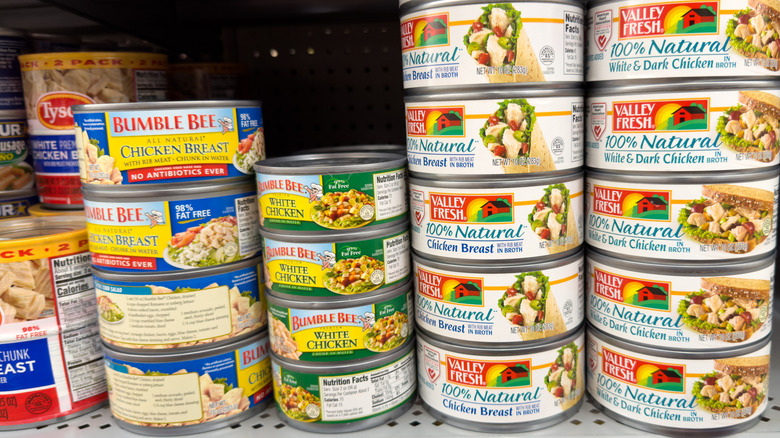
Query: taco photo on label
[
  {"x": 752, "y": 126},
  {"x": 341, "y": 210},
  {"x": 754, "y": 32},
  {"x": 512, "y": 133},
  {"x": 732, "y": 308},
  {"x": 564, "y": 375},
  {"x": 727, "y": 214},
  {"x": 551, "y": 221},
  {"x": 355, "y": 276},
  {"x": 529, "y": 305},
  {"x": 496, "y": 40},
  {"x": 736, "y": 388},
  {"x": 387, "y": 333}
]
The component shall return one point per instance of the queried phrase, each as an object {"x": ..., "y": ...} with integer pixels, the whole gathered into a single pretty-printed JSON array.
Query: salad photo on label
[
  {"x": 752, "y": 126},
  {"x": 355, "y": 276},
  {"x": 387, "y": 333},
  {"x": 212, "y": 243},
  {"x": 754, "y": 32},
  {"x": 342, "y": 210},
  {"x": 298, "y": 403},
  {"x": 551, "y": 221},
  {"x": 736, "y": 388},
  {"x": 564, "y": 380},
  {"x": 250, "y": 150}
]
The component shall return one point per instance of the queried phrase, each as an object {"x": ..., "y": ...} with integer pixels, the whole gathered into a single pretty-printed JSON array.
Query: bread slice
[
  {"x": 741, "y": 196},
  {"x": 761, "y": 101},
  {"x": 744, "y": 366},
  {"x": 737, "y": 287},
  {"x": 770, "y": 8}
]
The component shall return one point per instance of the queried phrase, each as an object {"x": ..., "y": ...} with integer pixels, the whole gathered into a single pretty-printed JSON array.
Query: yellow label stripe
[
  {"x": 719, "y": 108},
  {"x": 562, "y": 280},
  {"x": 539, "y": 114},
  {"x": 571, "y": 196},
  {"x": 682, "y": 201},
  {"x": 524, "y": 20},
  {"x": 544, "y": 365},
  {"x": 679, "y": 293}
]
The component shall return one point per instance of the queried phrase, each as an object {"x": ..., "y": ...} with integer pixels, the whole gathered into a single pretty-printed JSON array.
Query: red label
[
  {"x": 53, "y": 109},
  {"x": 437, "y": 122},
  {"x": 177, "y": 172},
  {"x": 427, "y": 31},
  {"x": 459, "y": 290},
  {"x": 472, "y": 208},
  {"x": 632, "y": 291},
  {"x": 674, "y": 18},
  {"x": 482, "y": 374},
  {"x": 652, "y": 375},
  {"x": 59, "y": 189},
  {"x": 116, "y": 261},
  {"x": 661, "y": 115},
  {"x": 632, "y": 204},
  {"x": 262, "y": 393}
]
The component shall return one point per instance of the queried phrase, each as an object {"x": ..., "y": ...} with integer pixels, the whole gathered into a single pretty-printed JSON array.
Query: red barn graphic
[
  {"x": 651, "y": 293},
  {"x": 666, "y": 376},
  {"x": 687, "y": 113},
  {"x": 697, "y": 16},
  {"x": 650, "y": 203},
  {"x": 448, "y": 120},
  {"x": 494, "y": 207},
  {"x": 433, "y": 28},
  {"x": 466, "y": 290},
  {"x": 512, "y": 373}
]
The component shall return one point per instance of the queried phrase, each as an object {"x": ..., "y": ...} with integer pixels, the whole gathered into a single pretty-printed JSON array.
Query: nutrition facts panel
[
  {"x": 84, "y": 362},
  {"x": 74, "y": 287}
]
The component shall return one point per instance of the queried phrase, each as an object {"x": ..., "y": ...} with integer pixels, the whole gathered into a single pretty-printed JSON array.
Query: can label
[
  {"x": 52, "y": 376},
  {"x": 334, "y": 202},
  {"x": 56, "y": 168},
  {"x": 493, "y": 43},
  {"x": 510, "y": 389},
  {"x": 332, "y": 398},
  {"x": 46, "y": 287},
  {"x": 11, "y": 96},
  {"x": 17, "y": 206},
  {"x": 497, "y": 224},
  {"x": 183, "y": 313},
  {"x": 171, "y": 145},
  {"x": 684, "y": 131},
  {"x": 643, "y": 39},
  {"x": 339, "y": 334},
  {"x": 683, "y": 221},
  {"x": 342, "y": 268},
  {"x": 172, "y": 235},
  {"x": 509, "y": 307},
  {"x": 680, "y": 312},
  {"x": 16, "y": 177},
  {"x": 688, "y": 394},
  {"x": 187, "y": 392},
  {"x": 481, "y": 137},
  {"x": 13, "y": 141}
]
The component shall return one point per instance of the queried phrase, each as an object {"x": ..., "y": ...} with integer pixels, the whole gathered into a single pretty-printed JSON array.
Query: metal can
[
  {"x": 496, "y": 219},
  {"x": 13, "y": 43},
  {"x": 183, "y": 311},
  {"x": 171, "y": 227},
  {"x": 696, "y": 217},
  {"x": 642, "y": 39},
  {"x": 501, "y": 389},
  {"x": 168, "y": 142},
  {"x": 17, "y": 203},
  {"x": 56, "y": 167},
  {"x": 695, "y": 126},
  {"x": 478, "y": 305},
  {"x": 681, "y": 307},
  {"x": 478, "y": 133},
  {"x": 340, "y": 398},
  {"x": 186, "y": 393},
  {"x": 40, "y": 210},
  {"x": 343, "y": 330},
  {"x": 332, "y": 264},
  {"x": 320, "y": 192},
  {"x": 464, "y": 43},
  {"x": 13, "y": 139},
  {"x": 51, "y": 377},
  {"x": 678, "y": 393},
  {"x": 45, "y": 277}
]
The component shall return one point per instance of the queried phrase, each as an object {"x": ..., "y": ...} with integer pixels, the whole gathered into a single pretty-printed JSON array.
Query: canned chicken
[
  {"x": 698, "y": 126},
  {"x": 501, "y": 389},
  {"x": 17, "y": 203},
  {"x": 644, "y": 39},
  {"x": 13, "y": 43},
  {"x": 496, "y": 219},
  {"x": 342, "y": 330},
  {"x": 674, "y": 393},
  {"x": 13, "y": 140},
  {"x": 698, "y": 217},
  {"x": 681, "y": 306},
  {"x": 167, "y": 142},
  {"x": 339, "y": 398},
  {"x": 456, "y": 135},
  {"x": 452, "y": 43},
  {"x": 333, "y": 263},
  {"x": 186, "y": 393},
  {"x": 477, "y": 304},
  {"x": 331, "y": 191},
  {"x": 190, "y": 310},
  {"x": 170, "y": 227}
]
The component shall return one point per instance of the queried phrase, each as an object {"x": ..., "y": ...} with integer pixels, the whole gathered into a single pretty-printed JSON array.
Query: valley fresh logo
[
  {"x": 630, "y": 291},
  {"x": 655, "y": 376},
  {"x": 472, "y": 208},
  {"x": 661, "y": 116},
  {"x": 630, "y": 204},
  {"x": 441, "y": 287},
  {"x": 674, "y": 18},
  {"x": 427, "y": 31},
  {"x": 435, "y": 122},
  {"x": 482, "y": 374}
]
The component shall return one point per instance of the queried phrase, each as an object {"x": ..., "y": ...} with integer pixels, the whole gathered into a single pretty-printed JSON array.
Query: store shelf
[{"x": 588, "y": 422}]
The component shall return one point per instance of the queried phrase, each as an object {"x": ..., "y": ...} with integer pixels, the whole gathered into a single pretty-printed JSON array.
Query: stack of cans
[
  {"x": 172, "y": 219},
  {"x": 495, "y": 113},
  {"x": 336, "y": 243},
  {"x": 682, "y": 153}
]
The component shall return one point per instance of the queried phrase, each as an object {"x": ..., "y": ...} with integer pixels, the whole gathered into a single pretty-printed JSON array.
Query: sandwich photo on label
[
  {"x": 552, "y": 220},
  {"x": 731, "y": 308},
  {"x": 735, "y": 218},
  {"x": 754, "y": 32},
  {"x": 496, "y": 40},
  {"x": 513, "y": 135},
  {"x": 736, "y": 388},
  {"x": 752, "y": 126}
]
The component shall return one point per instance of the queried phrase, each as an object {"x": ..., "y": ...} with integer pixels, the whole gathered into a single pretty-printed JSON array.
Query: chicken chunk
[
  {"x": 697, "y": 219},
  {"x": 499, "y": 19},
  {"x": 514, "y": 113},
  {"x": 696, "y": 310},
  {"x": 496, "y": 52}
]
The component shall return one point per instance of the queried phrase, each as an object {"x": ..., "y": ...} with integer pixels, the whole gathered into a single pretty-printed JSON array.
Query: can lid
[
  {"x": 681, "y": 267},
  {"x": 340, "y": 301},
  {"x": 686, "y": 178},
  {"x": 328, "y": 164},
  {"x": 571, "y": 90},
  {"x": 16, "y": 194},
  {"x": 178, "y": 190},
  {"x": 675, "y": 85},
  {"x": 328, "y": 368},
  {"x": 490, "y": 266},
  {"x": 384, "y": 230},
  {"x": 496, "y": 350},
  {"x": 186, "y": 274},
  {"x": 28, "y": 230},
  {"x": 177, "y": 105}
]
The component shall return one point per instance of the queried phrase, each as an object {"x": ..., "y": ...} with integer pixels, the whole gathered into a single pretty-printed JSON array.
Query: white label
[
  {"x": 248, "y": 217},
  {"x": 390, "y": 194},
  {"x": 149, "y": 399},
  {"x": 397, "y": 263},
  {"x": 83, "y": 354},
  {"x": 74, "y": 287}
]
